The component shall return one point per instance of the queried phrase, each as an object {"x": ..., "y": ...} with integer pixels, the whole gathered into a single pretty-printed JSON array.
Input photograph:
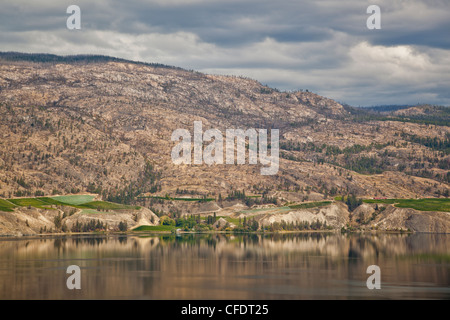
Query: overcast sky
[{"x": 320, "y": 45}]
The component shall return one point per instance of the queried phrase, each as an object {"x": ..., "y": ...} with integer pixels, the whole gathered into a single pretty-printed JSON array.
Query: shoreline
[{"x": 139, "y": 233}]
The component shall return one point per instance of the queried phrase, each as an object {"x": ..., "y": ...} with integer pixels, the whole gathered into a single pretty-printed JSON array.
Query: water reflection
[{"x": 218, "y": 266}]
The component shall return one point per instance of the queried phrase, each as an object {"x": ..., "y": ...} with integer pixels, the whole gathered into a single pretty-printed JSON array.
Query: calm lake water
[{"x": 288, "y": 266}]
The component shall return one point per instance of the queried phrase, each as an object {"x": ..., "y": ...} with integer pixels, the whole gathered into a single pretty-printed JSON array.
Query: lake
[{"x": 220, "y": 266}]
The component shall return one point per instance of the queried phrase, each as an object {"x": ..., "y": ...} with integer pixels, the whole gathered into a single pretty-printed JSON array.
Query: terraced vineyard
[
  {"x": 429, "y": 204},
  {"x": 75, "y": 201},
  {"x": 30, "y": 202},
  {"x": 6, "y": 206},
  {"x": 154, "y": 228}
]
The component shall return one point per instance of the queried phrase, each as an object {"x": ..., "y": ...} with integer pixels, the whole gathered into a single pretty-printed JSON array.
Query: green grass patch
[
  {"x": 154, "y": 228},
  {"x": 181, "y": 199},
  {"x": 73, "y": 200},
  {"x": 103, "y": 205},
  {"x": 309, "y": 205},
  {"x": 386, "y": 201},
  {"x": 6, "y": 206},
  {"x": 30, "y": 202},
  {"x": 235, "y": 220},
  {"x": 428, "y": 204},
  {"x": 51, "y": 201}
]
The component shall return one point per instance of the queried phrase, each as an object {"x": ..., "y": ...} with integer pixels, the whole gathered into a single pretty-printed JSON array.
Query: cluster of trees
[
  {"x": 263, "y": 200},
  {"x": 432, "y": 143},
  {"x": 184, "y": 191},
  {"x": 148, "y": 182},
  {"x": 424, "y": 173},
  {"x": 57, "y": 220},
  {"x": 364, "y": 164},
  {"x": 193, "y": 222},
  {"x": 446, "y": 177},
  {"x": 93, "y": 225},
  {"x": 352, "y": 202},
  {"x": 297, "y": 146},
  {"x": 361, "y": 164},
  {"x": 83, "y": 58},
  {"x": 21, "y": 182},
  {"x": 159, "y": 213},
  {"x": 297, "y": 226},
  {"x": 211, "y": 219},
  {"x": 123, "y": 196},
  {"x": 330, "y": 149},
  {"x": 190, "y": 222},
  {"x": 361, "y": 219},
  {"x": 235, "y": 195},
  {"x": 123, "y": 226},
  {"x": 436, "y": 115},
  {"x": 247, "y": 225},
  {"x": 355, "y": 161},
  {"x": 249, "y": 201},
  {"x": 93, "y": 188},
  {"x": 22, "y": 193},
  {"x": 444, "y": 164},
  {"x": 45, "y": 230}
]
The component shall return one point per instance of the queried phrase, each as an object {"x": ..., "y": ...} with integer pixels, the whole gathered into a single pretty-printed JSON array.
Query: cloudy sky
[{"x": 320, "y": 45}]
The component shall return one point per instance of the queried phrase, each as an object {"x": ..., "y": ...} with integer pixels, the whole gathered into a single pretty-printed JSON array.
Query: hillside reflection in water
[{"x": 277, "y": 266}]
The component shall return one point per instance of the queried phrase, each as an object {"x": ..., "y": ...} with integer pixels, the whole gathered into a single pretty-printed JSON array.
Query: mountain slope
[{"x": 104, "y": 125}]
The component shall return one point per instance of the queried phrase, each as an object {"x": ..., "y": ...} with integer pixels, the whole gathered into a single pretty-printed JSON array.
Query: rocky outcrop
[
  {"x": 133, "y": 219},
  {"x": 221, "y": 223},
  {"x": 362, "y": 213},
  {"x": 23, "y": 221},
  {"x": 335, "y": 215},
  {"x": 365, "y": 217},
  {"x": 409, "y": 219}
]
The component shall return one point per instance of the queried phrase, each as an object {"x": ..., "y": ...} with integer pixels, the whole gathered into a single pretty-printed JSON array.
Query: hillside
[
  {"x": 425, "y": 114},
  {"x": 104, "y": 125}
]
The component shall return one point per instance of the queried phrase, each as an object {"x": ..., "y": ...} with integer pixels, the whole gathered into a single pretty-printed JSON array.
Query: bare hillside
[{"x": 104, "y": 125}]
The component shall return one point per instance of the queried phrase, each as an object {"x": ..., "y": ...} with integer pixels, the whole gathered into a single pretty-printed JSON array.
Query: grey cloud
[{"x": 286, "y": 44}]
